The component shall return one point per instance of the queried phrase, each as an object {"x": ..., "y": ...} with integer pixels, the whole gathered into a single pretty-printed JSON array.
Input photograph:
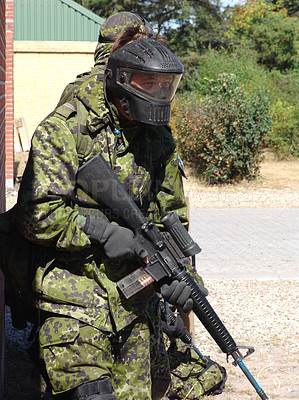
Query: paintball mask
[{"x": 144, "y": 75}]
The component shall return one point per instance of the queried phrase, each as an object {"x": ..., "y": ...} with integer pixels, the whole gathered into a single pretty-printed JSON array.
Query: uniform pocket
[
  {"x": 58, "y": 345},
  {"x": 135, "y": 178},
  {"x": 57, "y": 283},
  {"x": 58, "y": 331}
]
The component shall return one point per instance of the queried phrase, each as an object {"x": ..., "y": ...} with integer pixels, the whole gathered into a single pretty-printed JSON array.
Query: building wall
[
  {"x": 2, "y": 182},
  {"x": 41, "y": 72},
  {"x": 2, "y": 106},
  {"x": 9, "y": 94}
]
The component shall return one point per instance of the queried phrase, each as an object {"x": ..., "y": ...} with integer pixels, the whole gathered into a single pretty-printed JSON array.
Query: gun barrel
[
  {"x": 208, "y": 317},
  {"x": 240, "y": 363}
]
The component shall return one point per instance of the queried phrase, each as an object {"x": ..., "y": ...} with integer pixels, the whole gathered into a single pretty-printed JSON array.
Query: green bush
[
  {"x": 223, "y": 134},
  {"x": 281, "y": 89},
  {"x": 283, "y": 138},
  {"x": 284, "y": 108},
  {"x": 241, "y": 62}
]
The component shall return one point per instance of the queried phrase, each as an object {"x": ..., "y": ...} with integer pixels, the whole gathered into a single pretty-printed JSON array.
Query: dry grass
[{"x": 276, "y": 187}]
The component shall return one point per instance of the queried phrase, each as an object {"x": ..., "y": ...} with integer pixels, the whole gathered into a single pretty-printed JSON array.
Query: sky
[{"x": 230, "y": 2}]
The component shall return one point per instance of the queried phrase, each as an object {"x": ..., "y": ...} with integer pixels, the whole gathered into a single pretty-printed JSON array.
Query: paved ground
[{"x": 247, "y": 243}]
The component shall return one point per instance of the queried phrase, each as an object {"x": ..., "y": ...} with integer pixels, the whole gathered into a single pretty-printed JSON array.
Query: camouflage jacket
[{"x": 72, "y": 276}]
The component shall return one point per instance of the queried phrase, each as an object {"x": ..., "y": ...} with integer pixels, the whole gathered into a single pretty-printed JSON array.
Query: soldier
[{"x": 95, "y": 344}]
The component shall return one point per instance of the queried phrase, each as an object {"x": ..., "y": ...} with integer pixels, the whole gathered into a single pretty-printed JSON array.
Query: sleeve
[
  {"x": 44, "y": 207},
  {"x": 171, "y": 194}
]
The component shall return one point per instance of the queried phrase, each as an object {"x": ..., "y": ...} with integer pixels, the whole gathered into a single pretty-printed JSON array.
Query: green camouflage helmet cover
[{"x": 115, "y": 25}]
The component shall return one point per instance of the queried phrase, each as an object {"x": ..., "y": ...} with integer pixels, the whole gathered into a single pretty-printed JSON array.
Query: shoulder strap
[
  {"x": 84, "y": 140},
  {"x": 72, "y": 87},
  {"x": 69, "y": 104},
  {"x": 66, "y": 109}
]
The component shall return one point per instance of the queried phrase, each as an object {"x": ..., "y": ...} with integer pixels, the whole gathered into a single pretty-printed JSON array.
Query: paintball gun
[{"x": 168, "y": 253}]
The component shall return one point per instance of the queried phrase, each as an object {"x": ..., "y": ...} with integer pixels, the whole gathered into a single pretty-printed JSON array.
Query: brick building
[
  {"x": 9, "y": 97},
  {"x": 2, "y": 180},
  {"x": 2, "y": 105}
]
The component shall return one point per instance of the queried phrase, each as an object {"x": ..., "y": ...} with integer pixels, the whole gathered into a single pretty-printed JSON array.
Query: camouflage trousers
[
  {"x": 135, "y": 359},
  {"x": 191, "y": 377}
]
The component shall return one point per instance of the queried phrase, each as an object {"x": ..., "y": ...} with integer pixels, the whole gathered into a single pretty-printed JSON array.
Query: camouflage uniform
[
  {"x": 191, "y": 377},
  {"x": 89, "y": 330}
]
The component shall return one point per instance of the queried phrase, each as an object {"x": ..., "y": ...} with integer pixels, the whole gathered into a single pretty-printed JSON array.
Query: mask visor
[{"x": 152, "y": 86}]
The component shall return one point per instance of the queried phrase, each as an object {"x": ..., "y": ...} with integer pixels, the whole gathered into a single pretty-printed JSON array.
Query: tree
[
  {"x": 268, "y": 29},
  {"x": 160, "y": 13},
  {"x": 292, "y": 6},
  {"x": 197, "y": 26}
]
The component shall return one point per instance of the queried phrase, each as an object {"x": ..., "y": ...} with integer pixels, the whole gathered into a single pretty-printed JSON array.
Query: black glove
[
  {"x": 203, "y": 290},
  {"x": 117, "y": 241},
  {"x": 176, "y": 330},
  {"x": 178, "y": 294}
]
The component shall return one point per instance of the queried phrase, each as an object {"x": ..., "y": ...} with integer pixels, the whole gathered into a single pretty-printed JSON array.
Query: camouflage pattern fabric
[
  {"x": 191, "y": 377},
  {"x": 117, "y": 23},
  {"x": 134, "y": 359}
]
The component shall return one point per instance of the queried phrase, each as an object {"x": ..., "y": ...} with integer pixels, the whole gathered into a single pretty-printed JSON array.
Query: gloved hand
[
  {"x": 178, "y": 294},
  {"x": 203, "y": 290},
  {"x": 176, "y": 330},
  {"x": 117, "y": 241}
]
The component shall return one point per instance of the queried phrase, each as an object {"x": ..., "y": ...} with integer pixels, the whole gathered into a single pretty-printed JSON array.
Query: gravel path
[
  {"x": 247, "y": 243},
  {"x": 262, "y": 314},
  {"x": 240, "y": 197}
]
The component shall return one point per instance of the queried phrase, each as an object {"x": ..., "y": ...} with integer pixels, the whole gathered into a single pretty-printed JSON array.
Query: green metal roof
[{"x": 54, "y": 20}]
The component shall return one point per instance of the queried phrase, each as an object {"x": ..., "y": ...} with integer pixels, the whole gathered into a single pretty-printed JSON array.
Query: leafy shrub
[
  {"x": 241, "y": 61},
  {"x": 283, "y": 138},
  {"x": 223, "y": 134},
  {"x": 281, "y": 89}
]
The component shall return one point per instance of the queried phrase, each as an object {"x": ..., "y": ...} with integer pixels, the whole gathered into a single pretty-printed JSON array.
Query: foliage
[
  {"x": 241, "y": 18},
  {"x": 268, "y": 29},
  {"x": 281, "y": 90},
  {"x": 160, "y": 13},
  {"x": 275, "y": 41},
  {"x": 197, "y": 27},
  {"x": 284, "y": 108},
  {"x": 292, "y": 6},
  {"x": 223, "y": 134},
  {"x": 283, "y": 137},
  {"x": 241, "y": 62}
]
